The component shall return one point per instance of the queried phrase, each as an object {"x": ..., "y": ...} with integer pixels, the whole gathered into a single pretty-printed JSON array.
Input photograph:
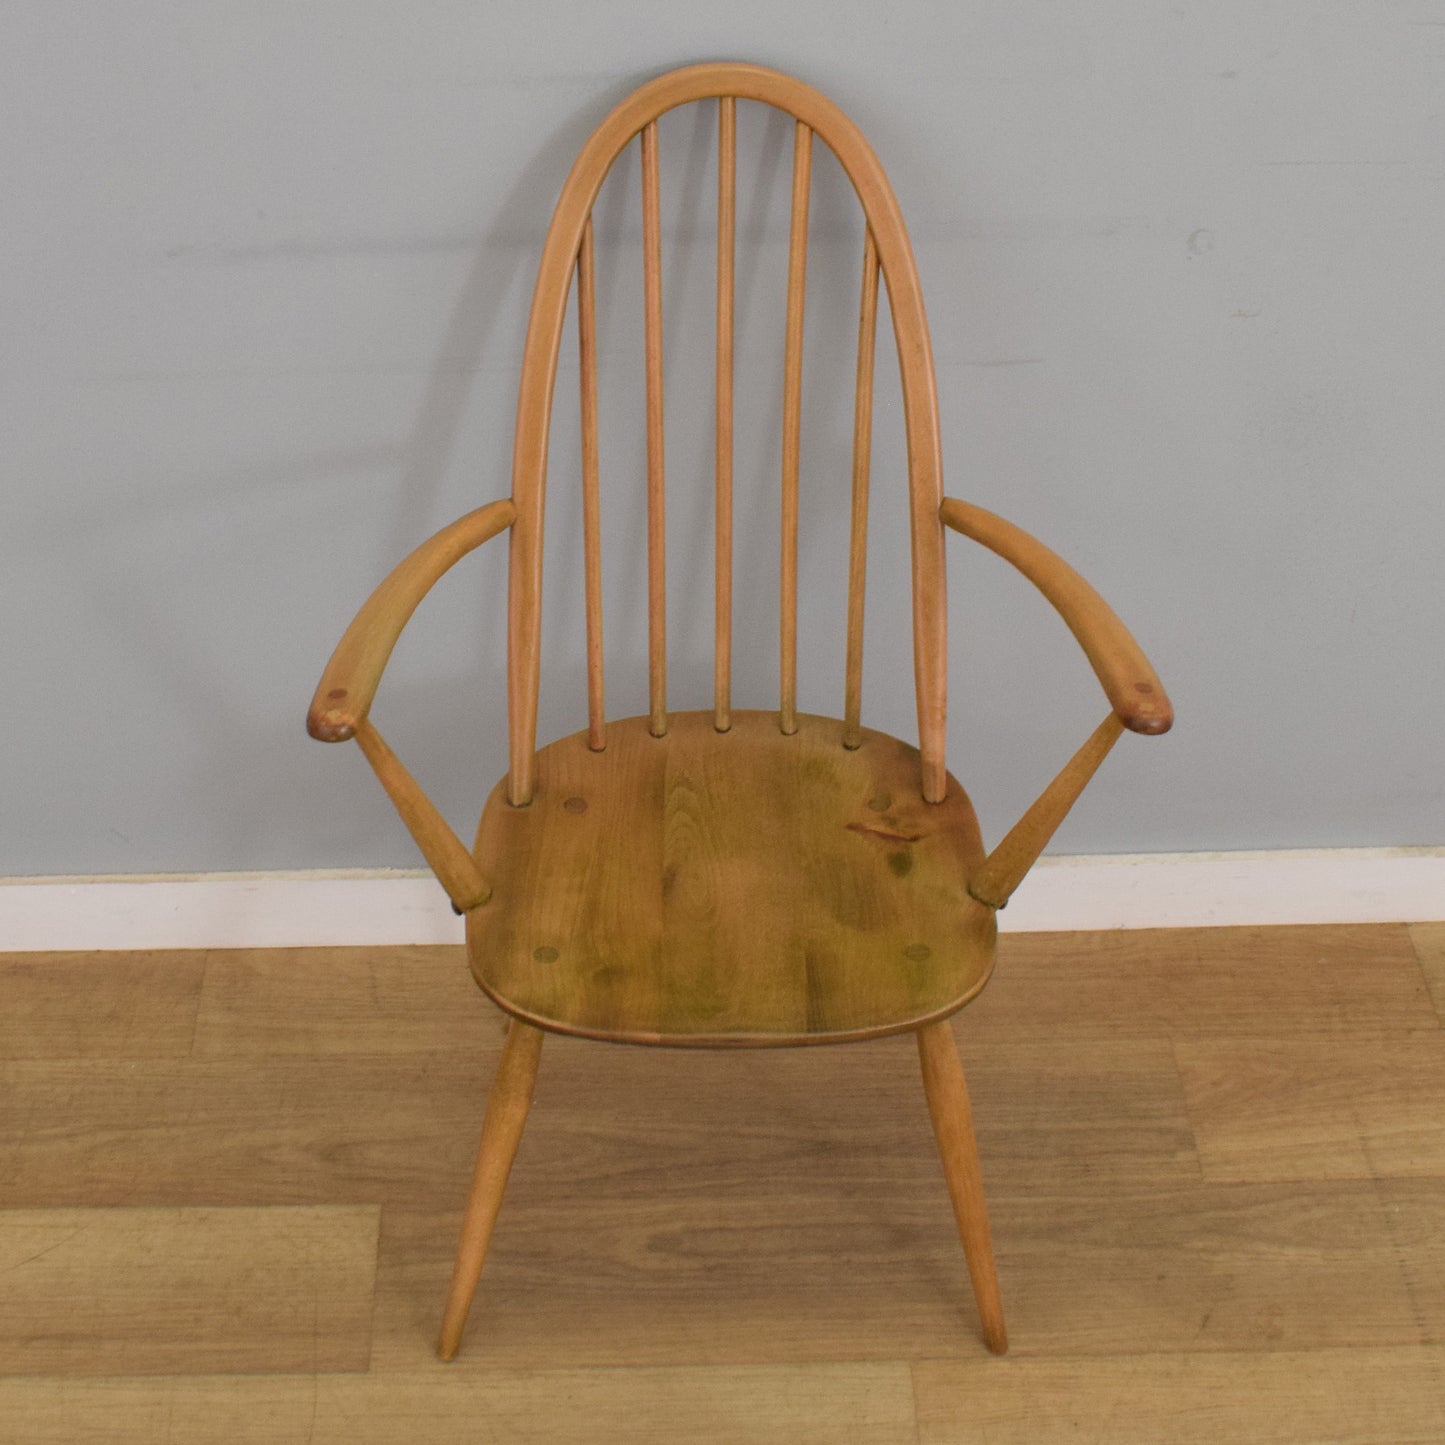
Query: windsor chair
[{"x": 728, "y": 878}]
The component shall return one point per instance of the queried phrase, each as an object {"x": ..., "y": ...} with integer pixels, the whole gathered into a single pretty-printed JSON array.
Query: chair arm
[
  {"x": 344, "y": 696},
  {"x": 347, "y": 687},
  {"x": 1134, "y": 691}
]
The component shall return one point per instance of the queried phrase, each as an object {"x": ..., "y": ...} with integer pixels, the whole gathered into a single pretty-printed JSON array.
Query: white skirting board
[{"x": 297, "y": 910}]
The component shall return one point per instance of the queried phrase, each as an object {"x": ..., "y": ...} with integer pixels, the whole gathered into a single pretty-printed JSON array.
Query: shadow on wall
[
  {"x": 214, "y": 696},
  {"x": 515, "y": 235}
]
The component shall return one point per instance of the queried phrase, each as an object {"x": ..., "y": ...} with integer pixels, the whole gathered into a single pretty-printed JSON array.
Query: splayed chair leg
[
  {"x": 953, "y": 1126},
  {"x": 507, "y": 1107}
]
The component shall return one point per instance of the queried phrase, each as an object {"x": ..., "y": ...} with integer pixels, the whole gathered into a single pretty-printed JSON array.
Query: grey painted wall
[{"x": 263, "y": 295}]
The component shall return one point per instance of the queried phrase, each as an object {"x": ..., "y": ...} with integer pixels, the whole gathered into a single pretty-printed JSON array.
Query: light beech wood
[
  {"x": 728, "y": 879},
  {"x": 507, "y": 1107},
  {"x": 656, "y": 477},
  {"x": 948, "y": 1107},
  {"x": 177, "y": 1291},
  {"x": 441, "y": 848},
  {"x": 1133, "y": 689},
  {"x": 920, "y": 411},
  {"x": 792, "y": 426},
  {"x": 1004, "y": 869},
  {"x": 347, "y": 687},
  {"x": 591, "y": 503},
  {"x": 343, "y": 698},
  {"x": 726, "y": 246},
  {"x": 858, "y": 525},
  {"x": 773, "y": 890}
]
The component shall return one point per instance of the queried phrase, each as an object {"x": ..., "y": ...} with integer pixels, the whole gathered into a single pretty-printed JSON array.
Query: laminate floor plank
[
  {"x": 609, "y": 1277},
  {"x": 325, "y": 1001},
  {"x": 1200, "y": 983},
  {"x": 1329, "y": 1397},
  {"x": 1044, "y": 1116},
  {"x": 1318, "y": 1107},
  {"x": 786, "y": 1404},
  {"x": 1234, "y": 1267},
  {"x": 230, "y": 1187},
  {"x": 402, "y": 1129},
  {"x": 97, "y": 1005},
  {"x": 282, "y": 1130},
  {"x": 160, "y": 1410},
  {"x": 1429, "y": 942},
  {"x": 178, "y": 1291}
]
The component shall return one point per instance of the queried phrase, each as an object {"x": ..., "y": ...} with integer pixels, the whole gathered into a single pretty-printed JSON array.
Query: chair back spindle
[
  {"x": 591, "y": 504},
  {"x": 656, "y": 489},
  {"x": 792, "y": 427},
  {"x": 726, "y": 245},
  {"x": 858, "y": 525}
]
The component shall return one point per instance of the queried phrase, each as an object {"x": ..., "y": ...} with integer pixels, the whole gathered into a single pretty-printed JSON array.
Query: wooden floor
[{"x": 230, "y": 1185}]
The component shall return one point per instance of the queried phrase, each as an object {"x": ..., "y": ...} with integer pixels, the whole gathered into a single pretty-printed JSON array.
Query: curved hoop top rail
[{"x": 888, "y": 239}]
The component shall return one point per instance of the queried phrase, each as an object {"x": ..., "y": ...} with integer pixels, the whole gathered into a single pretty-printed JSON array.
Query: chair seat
[{"x": 744, "y": 888}]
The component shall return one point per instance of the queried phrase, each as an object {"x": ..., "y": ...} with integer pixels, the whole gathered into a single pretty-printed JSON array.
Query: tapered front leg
[
  {"x": 507, "y": 1107},
  {"x": 953, "y": 1125}
]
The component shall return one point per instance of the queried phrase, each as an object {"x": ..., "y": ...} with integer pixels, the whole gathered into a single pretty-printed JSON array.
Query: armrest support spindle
[
  {"x": 442, "y": 849},
  {"x": 1004, "y": 869}
]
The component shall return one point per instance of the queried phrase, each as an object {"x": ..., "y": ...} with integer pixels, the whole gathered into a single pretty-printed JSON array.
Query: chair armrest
[
  {"x": 344, "y": 696},
  {"x": 1134, "y": 691},
  {"x": 347, "y": 687}
]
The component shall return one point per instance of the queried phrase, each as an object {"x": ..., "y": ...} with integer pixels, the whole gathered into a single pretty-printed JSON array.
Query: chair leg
[
  {"x": 507, "y": 1106},
  {"x": 953, "y": 1126}
]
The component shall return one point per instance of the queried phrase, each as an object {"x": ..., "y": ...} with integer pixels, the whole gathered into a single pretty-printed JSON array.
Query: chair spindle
[
  {"x": 862, "y": 458},
  {"x": 656, "y": 517},
  {"x": 591, "y": 506},
  {"x": 792, "y": 419},
  {"x": 723, "y": 591}
]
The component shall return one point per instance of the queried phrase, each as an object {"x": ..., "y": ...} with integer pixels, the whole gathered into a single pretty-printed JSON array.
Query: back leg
[{"x": 953, "y": 1126}]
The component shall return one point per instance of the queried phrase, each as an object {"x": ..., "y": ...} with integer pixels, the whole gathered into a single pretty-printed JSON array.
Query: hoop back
[{"x": 568, "y": 251}]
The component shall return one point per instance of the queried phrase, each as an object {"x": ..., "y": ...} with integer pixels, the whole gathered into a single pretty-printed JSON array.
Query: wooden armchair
[{"x": 728, "y": 878}]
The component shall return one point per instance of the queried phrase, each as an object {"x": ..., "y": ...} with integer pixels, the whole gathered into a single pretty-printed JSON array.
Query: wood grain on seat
[{"x": 738, "y": 888}]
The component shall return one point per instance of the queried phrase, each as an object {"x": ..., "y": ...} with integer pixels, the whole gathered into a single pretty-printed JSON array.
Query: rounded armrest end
[
  {"x": 328, "y": 723},
  {"x": 1152, "y": 714}
]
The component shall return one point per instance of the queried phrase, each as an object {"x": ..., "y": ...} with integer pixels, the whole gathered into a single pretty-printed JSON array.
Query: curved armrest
[
  {"x": 347, "y": 687},
  {"x": 1133, "y": 690},
  {"x": 343, "y": 698}
]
